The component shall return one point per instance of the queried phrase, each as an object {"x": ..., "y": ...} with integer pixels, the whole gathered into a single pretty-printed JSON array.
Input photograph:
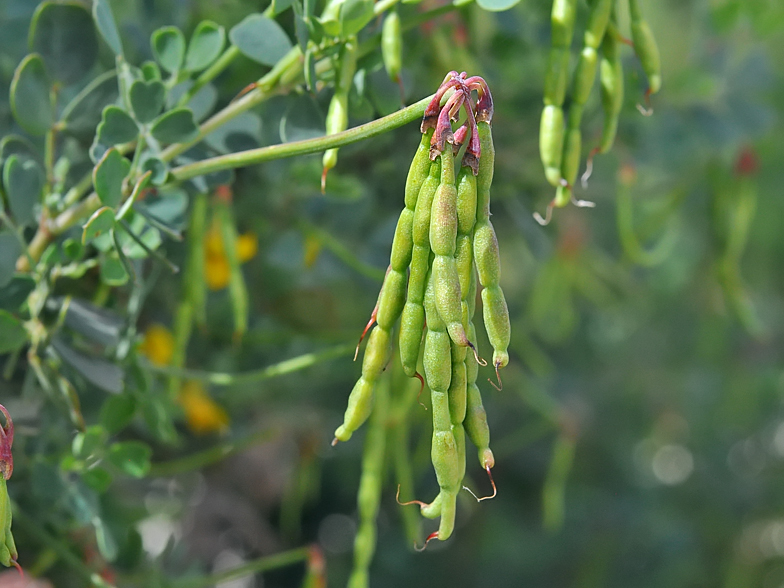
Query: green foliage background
[{"x": 668, "y": 376}]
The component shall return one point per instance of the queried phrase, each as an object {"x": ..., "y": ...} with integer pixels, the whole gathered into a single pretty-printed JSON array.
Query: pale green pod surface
[
  {"x": 584, "y": 76},
  {"x": 359, "y": 578},
  {"x": 487, "y": 257},
  {"x": 443, "y": 455},
  {"x": 368, "y": 495},
  {"x": 337, "y": 121},
  {"x": 472, "y": 367},
  {"x": 459, "y": 433},
  {"x": 448, "y": 513},
  {"x": 419, "y": 170},
  {"x": 437, "y": 363},
  {"x": 464, "y": 259},
  {"x": 556, "y": 77},
  {"x": 457, "y": 393},
  {"x": 364, "y": 543},
  {"x": 611, "y": 80},
  {"x": 484, "y": 179},
  {"x": 551, "y": 137},
  {"x": 476, "y": 426},
  {"x": 391, "y": 300},
  {"x": 412, "y": 321},
  {"x": 563, "y": 196},
  {"x": 562, "y": 21},
  {"x": 447, "y": 297},
  {"x": 571, "y": 158},
  {"x": 597, "y": 22},
  {"x": 360, "y": 402},
  {"x": 443, "y": 220},
  {"x": 376, "y": 353},
  {"x": 420, "y": 232},
  {"x": 434, "y": 321},
  {"x": 648, "y": 52},
  {"x": 392, "y": 45},
  {"x": 466, "y": 200},
  {"x": 432, "y": 510},
  {"x": 417, "y": 279},
  {"x": 402, "y": 243},
  {"x": 471, "y": 301},
  {"x": 496, "y": 317}
]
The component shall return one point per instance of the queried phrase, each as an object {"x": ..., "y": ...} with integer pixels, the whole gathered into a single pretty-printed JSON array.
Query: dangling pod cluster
[
  {"x": 560, "y": 139},
  {"x": 444, "y": 248}
]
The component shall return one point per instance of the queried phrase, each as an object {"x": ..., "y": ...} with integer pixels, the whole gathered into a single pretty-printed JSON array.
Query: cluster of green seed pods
[
  {"x": 8, "y": 554},
  {"x": 560, "y": 137},
  {"x": 444, "y": 248}
]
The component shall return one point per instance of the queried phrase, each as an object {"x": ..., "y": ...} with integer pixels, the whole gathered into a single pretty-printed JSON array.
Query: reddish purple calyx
[{"x": 6, "y": 441}]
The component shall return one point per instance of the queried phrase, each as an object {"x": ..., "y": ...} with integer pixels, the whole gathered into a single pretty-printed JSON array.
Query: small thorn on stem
[
  {"x": 410, "y": 502},
  {"x": 369, "y": 324},
  {"x": 245, "y": 90},
  {"x": 500, "y": 385},
  {"x": 588, "y": 168},
  {"x": 421, "y": 388},
  {"x": 433, "y": 535},
  {"x": 477, "y": 357},
  {"x": 548, "y": 216}
]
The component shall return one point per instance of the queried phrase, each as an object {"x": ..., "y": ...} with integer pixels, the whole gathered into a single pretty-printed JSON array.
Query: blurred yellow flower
[
  {"x": 158, "y": 344},
  {"x": 202, "y": 414},
  {"x": 313, "y": 247},
  {"x": 217, "y": 270}
]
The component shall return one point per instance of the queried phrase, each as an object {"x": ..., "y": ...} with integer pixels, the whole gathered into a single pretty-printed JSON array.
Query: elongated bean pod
[
  {"x": 413, "y": 317},
  {"x": 475, "y": 422},
  {"x": 645, "y": 47},
  {"x": 238, "y": 289},
  {"x": 392, "y": 45},
  {"x": 337, "y": 114},
  {"x": 611, "y": 81},
  {"x": 369, "y": 495},
  {"x": 584, "y": 77},
  {"x": 443, "y": 235},
  {"x": 487, "y": 257},
  {"x": 551, "y": 127},
  {"x": 444, "y": 452}
]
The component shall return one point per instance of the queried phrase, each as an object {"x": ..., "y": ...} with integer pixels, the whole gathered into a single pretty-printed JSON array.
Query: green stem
[
  {"x": 305, "y": 147},
  {"x": 263, "y": 564},
  {"x": 283, "y": 368},
  {"x": 31, "y": 527},
  {"x": 342, "y": 252},
  {"x": 209, "y": 74},
  {"x": 209, "y": 456}
]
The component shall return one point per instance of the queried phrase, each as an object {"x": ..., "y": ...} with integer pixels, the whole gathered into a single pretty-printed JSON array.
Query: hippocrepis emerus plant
[{"x": 98, "y": 187}]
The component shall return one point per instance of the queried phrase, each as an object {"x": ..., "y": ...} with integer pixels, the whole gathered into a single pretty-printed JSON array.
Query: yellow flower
[
  {"x": 158, "y": 344},
  {"x": 202, "y": 414},
  {"x": 217, "y": 270}
]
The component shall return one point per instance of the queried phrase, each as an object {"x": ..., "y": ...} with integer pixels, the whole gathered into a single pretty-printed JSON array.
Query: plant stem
[
  {"x": 342, "y": 252},
  {"x": 209, "y": 456},
  {"x": 263, "y": 564},
  {"x": 209, "y": 74},
  {"x": 262, "y": 154},
  {"x": 31, "y": 527},
  {"x": 283, "y": 368}
]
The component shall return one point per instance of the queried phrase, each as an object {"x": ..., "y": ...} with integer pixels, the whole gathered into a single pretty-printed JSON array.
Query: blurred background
[{"x": 639, "y": 435}]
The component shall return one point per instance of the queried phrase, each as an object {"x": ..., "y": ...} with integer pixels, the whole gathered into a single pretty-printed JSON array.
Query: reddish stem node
[
  {"x": 369, "y": 324},
  {"x": 477, "y": 357},
  {"x": 421, "y": 388}
]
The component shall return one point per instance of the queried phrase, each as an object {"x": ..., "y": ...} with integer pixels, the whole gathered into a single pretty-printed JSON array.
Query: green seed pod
[
  {"x": 448, "y": 513},
  {"x": 402, "y": 244},
  {"x": 562, "y": 19},
  {"x": 551, "y": 138},
  {"x": 370, "y": 484},
  {"x": 457, "y": 385},
  {"x": 238, "y": 290},
  {"x": 645, "y": 47},
  {"x": 484, "y": 179},
  {"x": 476, "y": 426},
  {"x": 556, "y": 77},
  {"x": 419, "y": 170},
  {"x": 486, "y": 254},
  {"x": 337, "y": 114},
  {"x": 437, "y": 362},
  {"x": 611, "y": 80},
  {"x": 570, "y": 164},
  {"x": 391, "y": 299},
  {"x": 597, "y": 23},
  {"x": 584, "y": 76},
  {"x": 496, "y": 316},
  {"x": 392, "y": 45},
  {"x": 466, "y": 200},
  {"x": 360, "y": 400},
  {"x": 8, "y": 553}
]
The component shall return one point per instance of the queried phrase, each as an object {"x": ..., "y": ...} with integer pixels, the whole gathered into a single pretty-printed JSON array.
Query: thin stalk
[
  {"x": 209, "y": 456},
  {"x": 283, "y": 368},
  {"x": 343, "y": 253},
  {"x": 209, "y": 74},
  {"x": 263, "y": 564},
  {"x": 31, "y": 527},
  {"x": 305, "y": 147}
]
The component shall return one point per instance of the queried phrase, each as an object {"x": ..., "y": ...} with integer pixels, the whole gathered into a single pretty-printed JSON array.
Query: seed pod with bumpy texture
[
  {"x": 645, "y": 47},
  {"x": 611, "y": 81},
  {"x": 392, "y": 45},
  {"x": 487, "y": 258}
]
